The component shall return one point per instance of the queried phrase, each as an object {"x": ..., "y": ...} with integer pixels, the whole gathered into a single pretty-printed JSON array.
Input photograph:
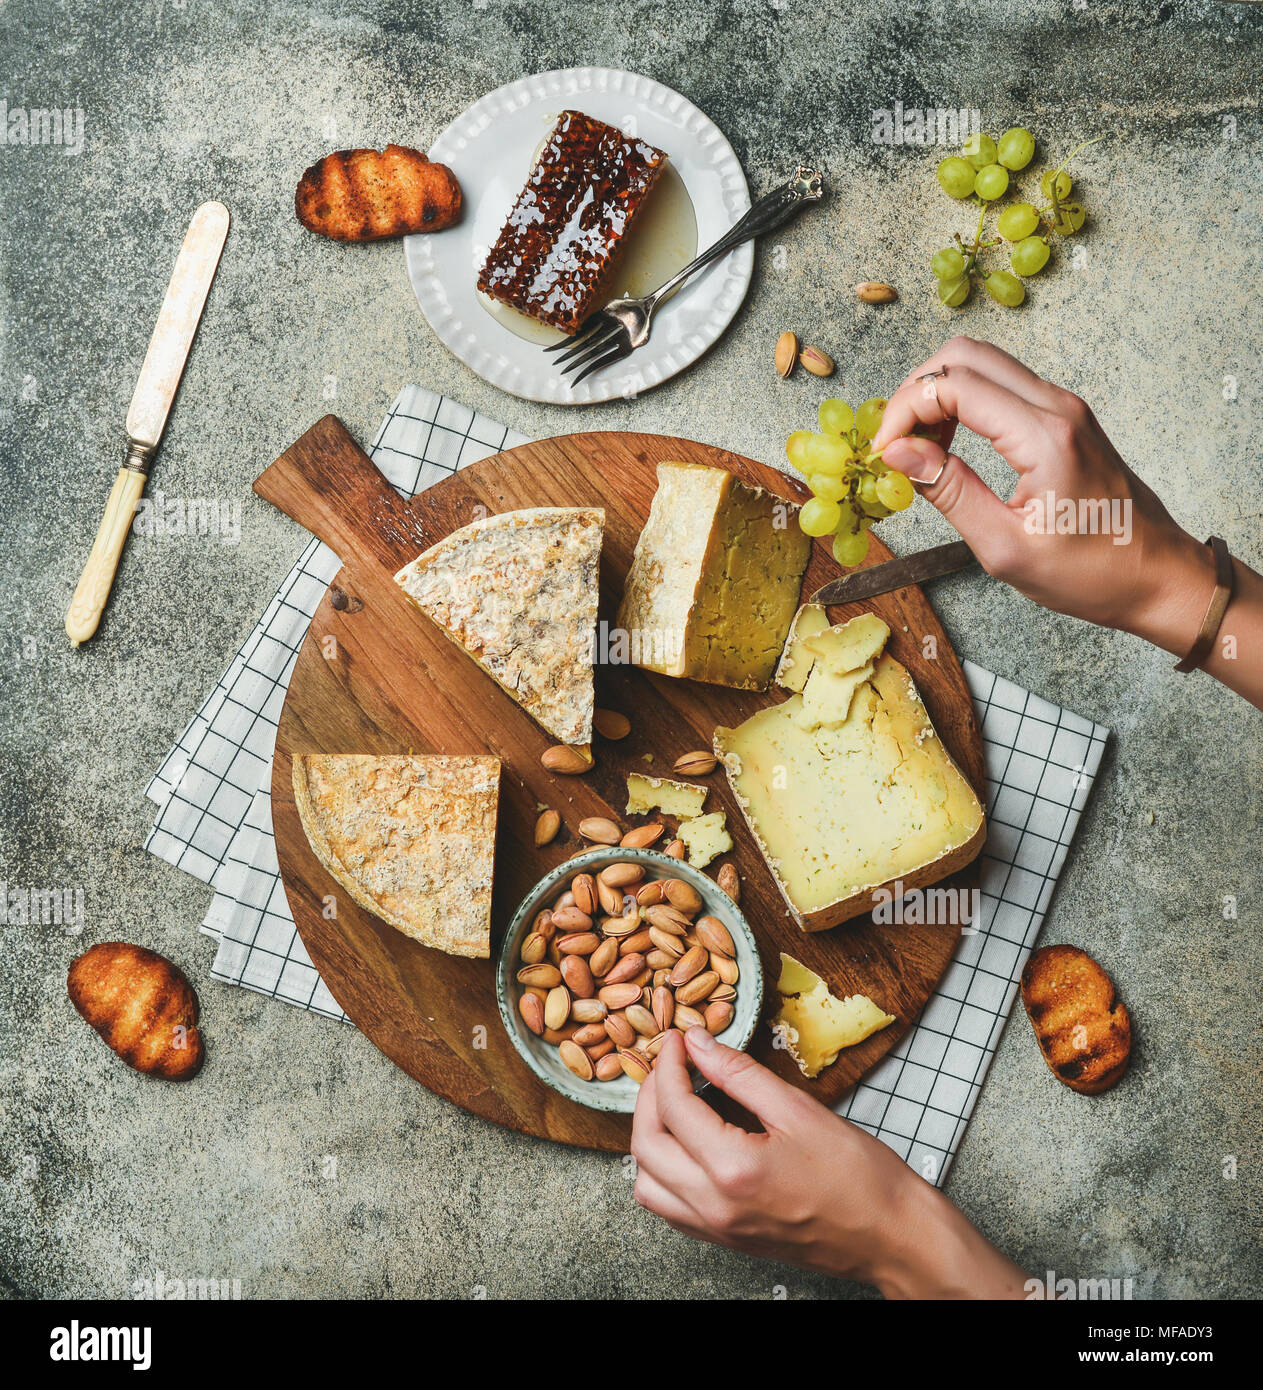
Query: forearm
[
  {"x": 933, "y": 1252},
  {"x": 1183, "y": 585}
]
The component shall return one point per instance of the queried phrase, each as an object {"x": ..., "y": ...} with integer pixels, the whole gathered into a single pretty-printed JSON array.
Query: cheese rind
[
  {"x": 845, "y": 804},
  {"x": 706, "y": 838},
  {"x": 715, "y": 579},
  {"x": 817, "y": 1024},
  {"x": 411, "y": 839},
  {"x": 517, "y": 592},
  {"x": 684, "y": 800}
]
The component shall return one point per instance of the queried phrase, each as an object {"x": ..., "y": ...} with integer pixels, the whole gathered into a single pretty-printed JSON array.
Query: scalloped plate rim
[{"x": 521, "y": 368}]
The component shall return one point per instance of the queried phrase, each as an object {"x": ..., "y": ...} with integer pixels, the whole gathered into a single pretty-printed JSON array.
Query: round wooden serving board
[{"x": 375, "y": 676}]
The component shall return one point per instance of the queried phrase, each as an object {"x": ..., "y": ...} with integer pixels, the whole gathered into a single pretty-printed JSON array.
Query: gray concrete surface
[{"x": 106, "y": 1178}]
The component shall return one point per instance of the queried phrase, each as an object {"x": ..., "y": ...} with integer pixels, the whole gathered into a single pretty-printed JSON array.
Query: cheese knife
[
  {"x": 147, "y": 415},
  {"x": 896, "y": 574}
]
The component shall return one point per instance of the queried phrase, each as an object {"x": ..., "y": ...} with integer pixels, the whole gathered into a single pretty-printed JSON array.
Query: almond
[
  {"x": 729, "y": 881},
  {"x": 576, "y": 1059},
  {"x": 718, "y": 1016},
  {"x": 641, "y": 1020},
  {"x": 622, "y": 874},
  {"x": 712, "y": 933},
  {"x": 576, "y": 973},
  {"x": 816, "y": 362},
  {"x": 580, "y": 943},
  {"x": 545, "y": 976},
  {"x": 687, "y": 1017},
  {"x": 682, "y": 896},
  {"x": 609, "y": 723},
  {"x": 571, "y": 760},
  {"x": 547, "y": 824},
  {"x": 643, "y": 836},
  {"x": 697, "y": 989},
  {"x": 571, "y": 919},
  {"x": 635, "y": 1064},
  {"x": 557, "y": 1007},
  {"x": 600, "y": 830},
  {"x": 532, "y": 1012},
  {"x": 583, "y": 886},
  {"x": 620, "y": 1031},
  {"x": 610, "y": 899},
  {"x": 786, "y": 353},
  {"x": 699, "y": 764},
  {"x": 621, "y": 927},
  {"x": 609, "y": 1067},
  {"x": 588, "y": 1011},
  {"x": 626, "y": 969},
  {"x": 649, "y": 893},
  {"x": 603, "y": 958},
  {"x": 667, "y": 942},
  {"x": 726, "y": 968},
  {"x": 691, "y": 963},
  {"x": 619, "y": 996},
  {"x": 667, "y": 918}
]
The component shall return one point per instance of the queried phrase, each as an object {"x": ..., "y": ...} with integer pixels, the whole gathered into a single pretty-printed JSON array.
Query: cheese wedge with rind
[
  {"x": 865, "y": 803},
  {"x": 517, "y": 592},
  {"x": 715, "y": 579},
  {"x": 684, "y": 800},
  {"x": 817, "y": 1024},
  {"x": 410, "y": 838}
]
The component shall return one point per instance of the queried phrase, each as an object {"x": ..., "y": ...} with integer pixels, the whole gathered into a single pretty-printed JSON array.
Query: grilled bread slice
[
  {"x": 142, "y": 1006},
  {"x": 1083, "y": 1029},
  {"x": 361, "y": 195}
]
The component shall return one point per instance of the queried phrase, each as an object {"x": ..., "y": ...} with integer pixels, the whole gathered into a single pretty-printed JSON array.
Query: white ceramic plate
[{"x": 490, "y": 150}]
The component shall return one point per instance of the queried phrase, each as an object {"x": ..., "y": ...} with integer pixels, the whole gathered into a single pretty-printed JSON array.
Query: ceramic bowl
[{"x": 619, "y": 1095}]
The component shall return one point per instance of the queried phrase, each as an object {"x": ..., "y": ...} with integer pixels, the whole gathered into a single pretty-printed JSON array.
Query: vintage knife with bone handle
[
  {"x": 896, "y": 574},
  {"x": 147, "y": 415}
]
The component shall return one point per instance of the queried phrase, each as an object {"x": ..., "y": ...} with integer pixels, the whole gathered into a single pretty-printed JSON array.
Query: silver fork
[{"x": 617, "y": 330}]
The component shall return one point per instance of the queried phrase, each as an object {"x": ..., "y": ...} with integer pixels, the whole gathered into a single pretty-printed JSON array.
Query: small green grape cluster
[
  {"x": 981, "y": 171},
  {"x": 851, "y": 487}
]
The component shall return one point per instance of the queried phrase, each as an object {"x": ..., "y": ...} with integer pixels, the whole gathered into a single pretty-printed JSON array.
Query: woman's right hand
[{"x": 1081, "y": 533}]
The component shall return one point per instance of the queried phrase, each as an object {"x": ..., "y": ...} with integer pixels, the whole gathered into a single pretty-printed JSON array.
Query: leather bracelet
[{"x": 1219, "y": 602}]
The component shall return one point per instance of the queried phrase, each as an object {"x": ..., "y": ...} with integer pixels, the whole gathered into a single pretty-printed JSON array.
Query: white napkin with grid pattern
[{"x": 214, "y": 821}]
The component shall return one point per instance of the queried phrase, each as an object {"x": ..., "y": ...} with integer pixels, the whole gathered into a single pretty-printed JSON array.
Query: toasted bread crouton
[
  {"x": 142, "y": 1005},
  {"x": 1082, "y": 1028},
  {"x": 360, "y": 195}
]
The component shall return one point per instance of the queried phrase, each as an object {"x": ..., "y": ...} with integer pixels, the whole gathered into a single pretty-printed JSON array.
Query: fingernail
[
  {"x": 702, "y": 1042},
  {"x": 908, "y": 459}
]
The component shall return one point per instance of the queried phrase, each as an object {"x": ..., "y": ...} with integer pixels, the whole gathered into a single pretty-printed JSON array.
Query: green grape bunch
[
  {"x": 982, "y": 171},
  {"x": 850, "y": 486}
]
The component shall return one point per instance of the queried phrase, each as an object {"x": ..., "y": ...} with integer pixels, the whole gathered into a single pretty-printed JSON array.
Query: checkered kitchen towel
[{"x": 214, "y": 820}]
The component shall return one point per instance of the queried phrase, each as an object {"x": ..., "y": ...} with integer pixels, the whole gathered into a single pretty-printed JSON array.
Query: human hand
[
  {"x": 1136, "y": 569},
  {"x": 812, "y": 1189}
]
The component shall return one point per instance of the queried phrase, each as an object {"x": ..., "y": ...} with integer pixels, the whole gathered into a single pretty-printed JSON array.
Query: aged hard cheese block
[
  {"x": 815, "y": 1024},
  {"x": 411, "y": 839},
  {"x": 715, "y": 579},
  {"x": 680, "y": 799},
  {"x": 518, "y": 593},
  {"x": 846, "y": 786}
]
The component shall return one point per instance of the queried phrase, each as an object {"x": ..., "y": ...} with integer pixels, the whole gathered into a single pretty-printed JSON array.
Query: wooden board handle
[
  {"x": 98, "y": 574},
  {"x": 329, "y": 485}
]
